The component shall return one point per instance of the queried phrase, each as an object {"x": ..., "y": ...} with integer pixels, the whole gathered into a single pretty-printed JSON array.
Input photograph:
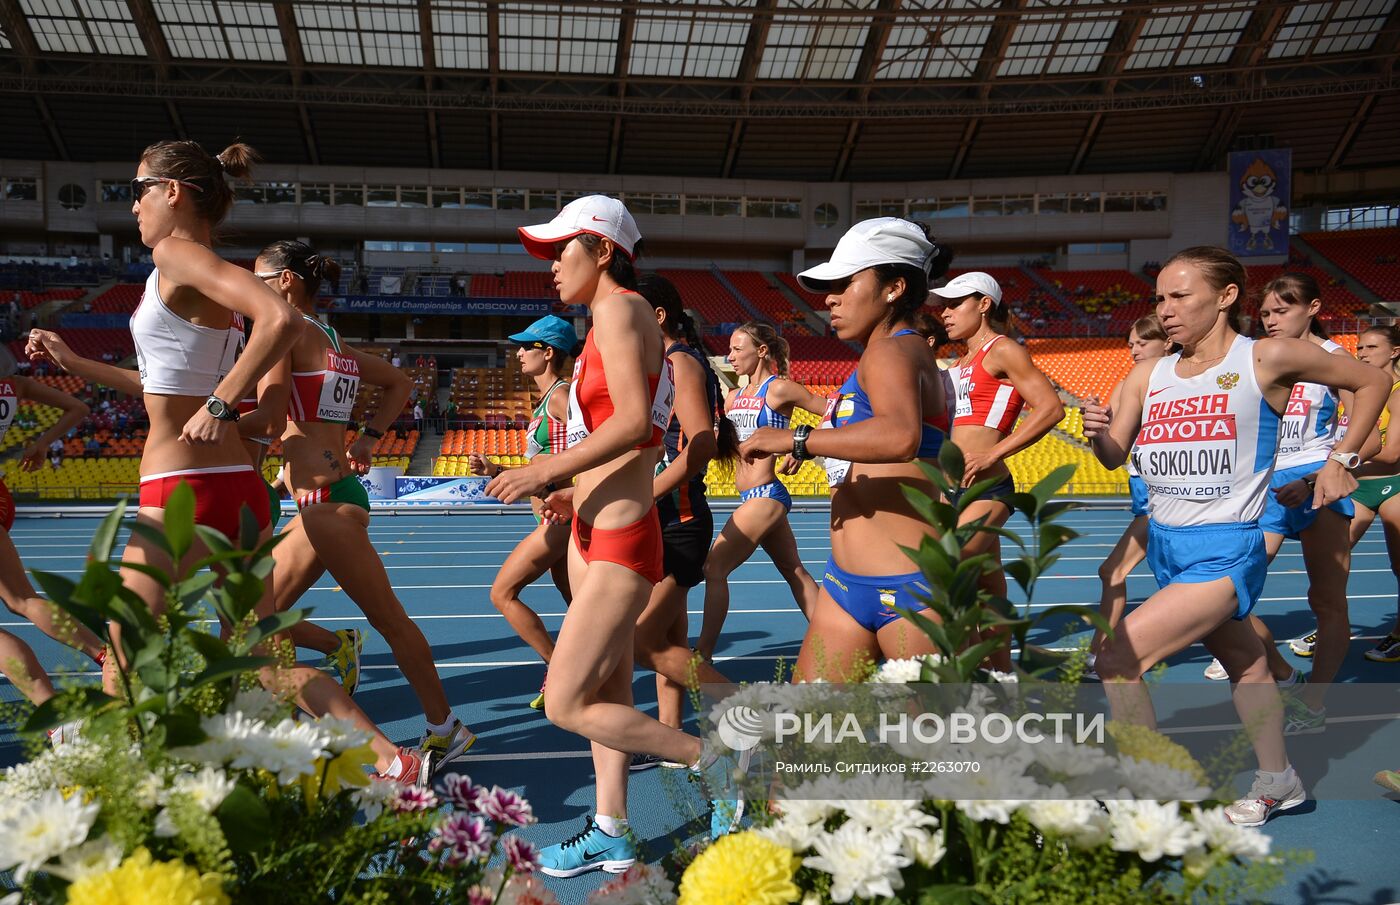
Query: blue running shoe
[
  {"x": 592, "y": 849},
  {"x": 722, "y": 787}
]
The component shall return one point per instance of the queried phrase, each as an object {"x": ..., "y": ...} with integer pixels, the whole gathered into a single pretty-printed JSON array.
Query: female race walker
[
  {"x": 663, "y": 639},
  {"x": 619, "y": 408},
  {"x": 1308, "y": 435},
  {"x": 19, "y": 595},
  {"x": 995, "y": 380},
  {"x": 1147, "y": 341},
  {"x": 331, "y": 529},
  {"x": 187, "y": 331},
  {"x": 1379, "y": 347},
  {"x": 757, "y": 352},
  {"x": 1206, "y": 425},
  {"x": 544, "y": 350},
  {"x": 889, "y": 413}
]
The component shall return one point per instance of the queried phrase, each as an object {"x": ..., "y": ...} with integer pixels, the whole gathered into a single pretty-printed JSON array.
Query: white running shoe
[
  {"x": 1216, "y": 671},
  {"x": 1265, "y": 800}
]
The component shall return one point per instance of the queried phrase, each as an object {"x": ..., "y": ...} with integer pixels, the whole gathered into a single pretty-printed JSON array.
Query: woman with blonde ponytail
[{"x": 758, "y": 352}]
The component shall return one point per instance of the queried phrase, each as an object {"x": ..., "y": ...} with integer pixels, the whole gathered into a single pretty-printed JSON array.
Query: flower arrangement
[{"x": 198, "y": 786}]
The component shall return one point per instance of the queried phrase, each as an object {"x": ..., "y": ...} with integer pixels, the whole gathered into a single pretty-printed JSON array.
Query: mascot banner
[{"x": 1259, "y": 186}]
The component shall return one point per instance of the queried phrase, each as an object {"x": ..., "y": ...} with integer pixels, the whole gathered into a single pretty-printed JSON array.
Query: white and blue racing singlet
[
  {"x": 1206, "y": 445},
  {"x": 1311, "y": 424}
]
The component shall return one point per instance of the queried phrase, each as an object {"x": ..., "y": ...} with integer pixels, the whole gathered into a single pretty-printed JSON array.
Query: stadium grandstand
[{"x": 1064, "y": 148}]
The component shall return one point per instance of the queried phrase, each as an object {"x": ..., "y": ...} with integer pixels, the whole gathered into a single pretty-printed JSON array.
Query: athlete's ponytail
[
  {"x": 1298, "y": 289},
  {"x": 676, "y": 323},
  {"x": 302, "y": 260},
  {"x": 188, "y": 162},
  {"x": 764, "y": 334}
]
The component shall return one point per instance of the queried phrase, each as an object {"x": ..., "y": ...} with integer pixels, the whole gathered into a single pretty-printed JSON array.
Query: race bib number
[
  {"x": 743, "y": 414},
  {"x": 837, "y": 408},
  {"x": 1187, "y": 447},
  {"x": 964, "y": 393},
  {"x": 9, "y": 404},
  {"x": 665, "y": 398},
  {"x": 339, "y": 387}
]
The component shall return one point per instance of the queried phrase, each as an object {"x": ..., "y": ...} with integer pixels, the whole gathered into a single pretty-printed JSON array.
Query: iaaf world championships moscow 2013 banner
[
  {"x": 1260, "y": 182},
  {"x": 416, "y": 304}
]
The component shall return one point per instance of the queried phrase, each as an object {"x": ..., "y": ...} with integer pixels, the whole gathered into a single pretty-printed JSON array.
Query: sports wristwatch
[
  {"x": 221, "y": 409},
  {"x": 1349, "y": 461},
  {"x": 799, "y": 442}
]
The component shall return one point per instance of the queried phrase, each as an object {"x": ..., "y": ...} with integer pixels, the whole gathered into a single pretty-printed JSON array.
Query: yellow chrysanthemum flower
[
  {"x": 741, "y": 869},
  {"x": 1145, "y": 744},
  {"x": 344, "y": 771},
  {"x": 139, "y": 880}
]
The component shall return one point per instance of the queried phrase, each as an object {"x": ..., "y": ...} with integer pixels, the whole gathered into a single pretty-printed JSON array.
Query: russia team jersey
[
  {"x": 9, "y": 405},
  {"x": 1311, "y": 423},
  {"x": 1207, "y": 443}
]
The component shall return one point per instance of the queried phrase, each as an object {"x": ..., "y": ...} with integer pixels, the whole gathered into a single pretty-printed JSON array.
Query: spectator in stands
[
  {"x": 418, "y": 416},
  {"x": 449, "y": 414},
  {"x": 92, "y": 448},
  {"x": 420, "y": 361},
  {"x": 395, "y": 360},
  {"x": 459, "y": 284}
]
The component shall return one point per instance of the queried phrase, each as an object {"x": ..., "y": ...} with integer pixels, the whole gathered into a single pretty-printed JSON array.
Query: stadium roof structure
[{"x": 774, "y": 89}]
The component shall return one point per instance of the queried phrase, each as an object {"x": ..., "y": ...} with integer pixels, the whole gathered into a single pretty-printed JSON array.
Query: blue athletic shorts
[
  {"x": 998, "y": 491},
  {"x": 870, "y": 598},
  {"x": 773, "y": 490},
  {"x": 1293, "y": 522},
  {"x": 1138, "y": 488},
  {"x": 1202, "y": 553}
]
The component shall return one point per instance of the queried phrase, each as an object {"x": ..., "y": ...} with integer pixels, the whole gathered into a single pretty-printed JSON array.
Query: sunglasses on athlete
[
  {"x": 140, "y": 184},
  {"x": 273, "y": 274}
]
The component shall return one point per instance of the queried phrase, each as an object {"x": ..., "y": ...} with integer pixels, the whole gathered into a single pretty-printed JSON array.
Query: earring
[{"x": 890, "y": 297}]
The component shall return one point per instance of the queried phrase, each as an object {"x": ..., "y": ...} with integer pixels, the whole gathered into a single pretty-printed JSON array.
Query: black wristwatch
[
  {"x": 371, "y": 432},
  {"x": 221, "y": 409},
  {"x": 799, "y": 442}
]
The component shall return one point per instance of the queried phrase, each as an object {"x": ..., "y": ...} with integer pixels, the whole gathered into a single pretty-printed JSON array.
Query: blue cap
[{"x": 550, "y": 330}]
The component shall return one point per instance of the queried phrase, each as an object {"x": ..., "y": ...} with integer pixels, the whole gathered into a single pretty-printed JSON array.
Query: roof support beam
[
  {"x": 622, "y": 64},
  {"x": 753, "y": 46},
  {"x": 313, "y": 153},
  {"x": 493, "y": 67},
  {"x": 176, "y": 120},
  {"x": 1091, "y": 133},
  {"x": 21, "y": 37},
  {"x": 994, "y": 51},
  {"x": 425, "y": 32},
  {"x": 847, "y": 146},
  {"x": 1227, "y": 122},
  {"x": 143, "y": 14},
  {"x": 1115, "y": 57},
  {"x": 615, "y": 144},
  {"x": 731, "y": 154},
  {"x": 1358, "y": 119},
  {"x": 434, "y": 152},
  {"x": 51, "y": 125},
  {"x": 291, "y": 39},
  {"x": 1257, "y": 37},
  {"x": 964, "y": 146},
  {"x": 876, "y": 40}
]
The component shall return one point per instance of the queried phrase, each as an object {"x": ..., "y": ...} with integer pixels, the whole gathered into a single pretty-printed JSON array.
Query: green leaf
[
  {"x": 217, "y": 543},
  {"x": 70, "y": 704},
  {"x": 274, "y": 625},
  {"x": 192, "y": 589},
  {"x": 179, "y": 520},
  {"x": 245, "y": 820},
  {"x": 248, "y": 528},
  {"x": 1088, "y": 614},
  {"x": 231, "y": 666},
  {"x": 155, "y": 573},
  {"x": 238, "y": 595},
  {"x": 60, "y": 590},
  {"x": 952, "y": 894},
  {"x": 151, "y": 535},
  {"x": 1051, "y": 483},
  {"x": 210, "y": 647},
  {"x": 951, "y": 461},
  {"x": 182, "y": 729},
  {"x": 105, "y": 538},
  {"x": 1024, "y": 573}
]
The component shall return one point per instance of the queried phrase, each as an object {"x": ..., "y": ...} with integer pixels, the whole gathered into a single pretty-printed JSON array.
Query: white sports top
[
  {"x": 176, "y": 357},
  {"x": 1311, "y": 423},
  {"x": 1206, "y": 445}
]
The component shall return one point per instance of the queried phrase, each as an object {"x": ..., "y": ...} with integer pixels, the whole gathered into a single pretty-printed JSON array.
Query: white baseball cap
[
  {"x": 883, "y": 240},
  {"x": 974, "y": 283},
  {"x": 597, "y": 215}
]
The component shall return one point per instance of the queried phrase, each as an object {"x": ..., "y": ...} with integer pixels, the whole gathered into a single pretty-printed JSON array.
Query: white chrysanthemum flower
[
  {"x": 1005, "y": 678},
  {"x": 42, "y": 828},
  {"x": 859, "y": 864},
  {"x": 1066, "y": 759},
  {"x": 342, "y": 735},
  {"x": 150, "y": 791},
  {"x": 1149, "y": 780},
  {"x": 1150, "y": 829},
  {"x": 290, "y": 750},
  {"x": 228, "y": 736},
  {"x": 165, "y": 827},
  {"x": 898, "y": 821},
  {"x": 1223, "y": 836},
  {"x": 257, "y": 703},
  {"x": 805, "y": 810},
  {"x": 792, "y": 833},
  {"x": 373, "y": 798},
  {"x": 96, "y": 856},
  {"x": 209, "y": 787},
  {"x": 927, "y": 849},
  {"x": 899, "y": 672},
  {"x": 1082, "y": 822}
]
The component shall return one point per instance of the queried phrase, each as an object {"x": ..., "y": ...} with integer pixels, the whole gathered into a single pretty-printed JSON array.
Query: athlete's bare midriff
[
  {"x": 617, "y": 493},
  {"x": 165, "y": 451},
  {"x": 977, "y": 438},
  {"x": 871, "y": 519}
]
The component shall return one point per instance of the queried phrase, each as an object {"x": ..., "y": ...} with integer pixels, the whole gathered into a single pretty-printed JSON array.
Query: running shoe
[
  {"x": 415, "y": 769},
  {"x": 726, "y": 799},
  {"x": 344, "y": 661},
  {"x": 1090, "y": 673},
  {"x": 447, "y": 747},
  {"x": 1266, "y": 799},
  {"x": 1388, "y": 779},
  {"x": 642, "y": 762},
  {"x": 538, "y": 702},
  {"x": 65, "y": 733},
  {"x": 1387, "y": 651},
  {"x": 1216, "y": 671},
  {"x": 589, "y": 850},
  {"x": 1303, "y": 646},
  {"x": 1300, "y": 719}
]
